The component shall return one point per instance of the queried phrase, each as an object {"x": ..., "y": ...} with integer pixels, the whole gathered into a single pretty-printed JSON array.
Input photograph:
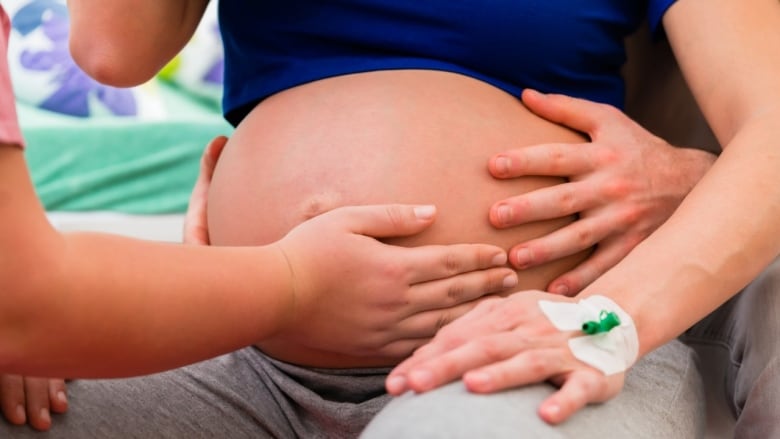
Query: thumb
[
  {"x": 195, "y": 221},
  {"x": 578, "y": 114},
  {"x": 210, "y": 157},
  {"x": 385, "y": 221}
]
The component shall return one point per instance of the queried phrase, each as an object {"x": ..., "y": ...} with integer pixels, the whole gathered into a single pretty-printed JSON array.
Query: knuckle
[
  {"x": 448, "y": 367},
  {"x": 537, "y": 365},
  {"x": 605, "y": 156},
  {"x": 393, "y": 270},
  {"x": 567, "y": 198},
  {"x": 449, "y": 338},
  {"x": 557, "y": 157},
  {"x": 593, "y": 385},
  {"x": 631, "y": 215},
  {"x": 452, "y": 263},
  {"x": 618, "y": 188},
  {"x": 456, "y": 291},
  {"x": 507, "y": 318},
  {"x": 610, "y": 111},
  {"x": 394, "y": 216},
  {"x": 492, "y": 350},
  {"x": 584, "y": 236}
]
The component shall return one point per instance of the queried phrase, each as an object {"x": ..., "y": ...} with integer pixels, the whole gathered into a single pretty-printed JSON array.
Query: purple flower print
[{"x": 74, "y": 86}]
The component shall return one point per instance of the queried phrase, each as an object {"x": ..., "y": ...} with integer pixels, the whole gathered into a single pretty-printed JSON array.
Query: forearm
[
  {"x": 718, "y": 240},
  {"x": 126, "y": 42},
  {"x": 99, "y": 305}
]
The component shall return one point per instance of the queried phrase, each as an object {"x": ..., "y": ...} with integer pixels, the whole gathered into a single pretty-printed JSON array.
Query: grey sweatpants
[
  {"x": 245, "y": 394},
  {"x": 747, "y": 330}
]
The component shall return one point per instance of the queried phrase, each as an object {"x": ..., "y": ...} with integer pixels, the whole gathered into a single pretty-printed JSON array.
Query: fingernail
[
  {"x": 20, "y": 414},
  {"x": 523, "y": 257},
  {"x": 421, "y": 379},
  {"x": 499, "y": 259},
  {"x": 510, "y": 281},
  {"x": 562, "y": 289},
  {"x": 396, "y": 385},
  {"x": 61, "y": 397},
  {"x": 424, "y": 212},
  {"x": 503, "y": 163},
  {"x": 504, "y": 214},
  {"x": 45, "y": 417}
]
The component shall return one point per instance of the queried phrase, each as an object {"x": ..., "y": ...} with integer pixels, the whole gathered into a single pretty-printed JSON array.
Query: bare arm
[
  {"x": 122, "y": 303},
  {"x": 721, "y": 236},
  {"x": 726, "y": 230},
  {"x": 90, "y": 305},
  {"x": 126, "y": 42}
]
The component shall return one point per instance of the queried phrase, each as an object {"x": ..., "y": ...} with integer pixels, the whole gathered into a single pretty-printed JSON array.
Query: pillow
[
  {"x": 198, "y": 68},
  {"x": 45, "y": 75}
]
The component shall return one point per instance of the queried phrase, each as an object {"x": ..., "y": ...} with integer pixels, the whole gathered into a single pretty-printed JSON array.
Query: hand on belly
[{"x": 380, "y": 137}]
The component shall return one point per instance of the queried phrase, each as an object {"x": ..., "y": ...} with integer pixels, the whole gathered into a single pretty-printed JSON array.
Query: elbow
[{"x": 108, "y": 63}]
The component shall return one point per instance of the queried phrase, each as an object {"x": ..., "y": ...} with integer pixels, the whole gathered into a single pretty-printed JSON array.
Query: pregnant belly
[{"x": 405, "y": 136}]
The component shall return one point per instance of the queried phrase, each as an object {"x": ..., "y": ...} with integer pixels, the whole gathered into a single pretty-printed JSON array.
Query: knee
[{"x": 453, "y": 412}]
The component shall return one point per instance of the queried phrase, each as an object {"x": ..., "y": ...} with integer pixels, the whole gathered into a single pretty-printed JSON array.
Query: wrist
[
  {"x": 607, "y": 337},
  {"x": 288, "y": 293}
]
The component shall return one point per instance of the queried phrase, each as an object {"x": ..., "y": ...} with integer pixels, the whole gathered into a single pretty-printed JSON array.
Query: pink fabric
[{"x": 9, "y": 122}]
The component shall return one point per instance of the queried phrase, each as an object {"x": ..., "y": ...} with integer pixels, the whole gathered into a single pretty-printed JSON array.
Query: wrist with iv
[{"x": 609, "y": 343}]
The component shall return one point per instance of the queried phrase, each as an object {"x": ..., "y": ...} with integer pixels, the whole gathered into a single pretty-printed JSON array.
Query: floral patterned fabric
[{"x": 45, "y": 75}]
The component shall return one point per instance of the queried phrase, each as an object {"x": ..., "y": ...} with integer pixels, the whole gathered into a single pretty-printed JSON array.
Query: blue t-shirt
[{"x": 563, "y": 46}]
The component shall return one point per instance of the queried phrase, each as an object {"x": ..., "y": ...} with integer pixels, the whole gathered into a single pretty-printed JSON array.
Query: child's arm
[
  {"x": 126, "y": 42},
  {"x": 94, "y": 305}
]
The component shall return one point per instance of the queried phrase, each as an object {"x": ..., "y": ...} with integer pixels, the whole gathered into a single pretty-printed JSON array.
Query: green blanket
[{"x": 120, "y": 164}]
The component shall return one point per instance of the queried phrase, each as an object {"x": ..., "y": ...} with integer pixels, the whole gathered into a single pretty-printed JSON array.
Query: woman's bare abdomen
[{"x": 404, "y": 136}]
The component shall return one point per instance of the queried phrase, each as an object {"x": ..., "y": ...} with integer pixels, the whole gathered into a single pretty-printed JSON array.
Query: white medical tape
[{"x": 611, "y": 352}]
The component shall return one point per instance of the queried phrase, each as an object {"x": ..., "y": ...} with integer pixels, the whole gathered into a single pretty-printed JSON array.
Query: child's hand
[
  {"x": 32, "y": 400},
  {"x": 358, "y": 296},
  {"x": 195, "y": 221}
]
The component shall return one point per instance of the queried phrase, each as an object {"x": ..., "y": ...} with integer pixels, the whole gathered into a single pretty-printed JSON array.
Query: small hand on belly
[{"x": 377, "y": 138}]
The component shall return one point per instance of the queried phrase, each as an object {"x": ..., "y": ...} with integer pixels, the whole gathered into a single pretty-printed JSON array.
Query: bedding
[
  {"x": 125, "y": 165},
  {"x": 93, "y": 147},
  {"x": 44, "y": 74},
  {"x": 199, "y": 67}
]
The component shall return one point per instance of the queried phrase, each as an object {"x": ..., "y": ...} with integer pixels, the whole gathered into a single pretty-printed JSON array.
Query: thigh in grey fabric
[
  {"x": 748, "y": 326},
  {"x": 241, "y": 395},
  {"x": 662, "y": 398}
]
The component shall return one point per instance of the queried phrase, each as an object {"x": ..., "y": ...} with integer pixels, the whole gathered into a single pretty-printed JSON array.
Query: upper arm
[
  {"x": 126, "y": 42},
  {"x": 729, "y": 52}
]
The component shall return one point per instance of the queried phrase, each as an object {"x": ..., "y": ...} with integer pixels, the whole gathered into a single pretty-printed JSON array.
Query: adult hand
[
  {"x": 358, "y": 296},
  {"x": 195, "y": 220},
  {"x": 504, "y": 343},
  {"x": 623, "y": 185},
  {"x": 32, "y": 400}
]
